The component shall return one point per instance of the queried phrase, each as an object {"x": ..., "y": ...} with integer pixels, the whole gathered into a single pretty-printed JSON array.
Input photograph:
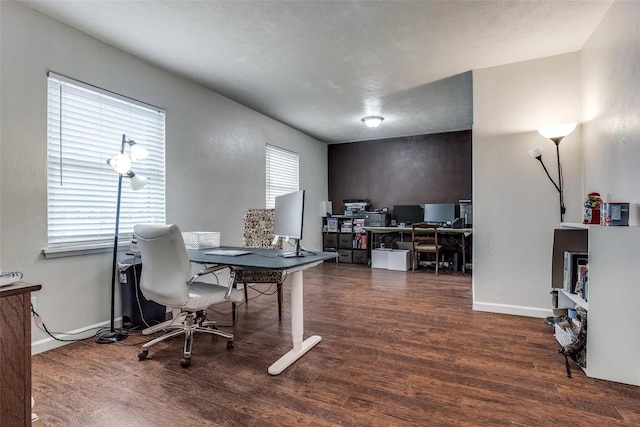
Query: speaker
[
  {"x": 327, "y": 208},
  {"x": 458, "y": 223}
]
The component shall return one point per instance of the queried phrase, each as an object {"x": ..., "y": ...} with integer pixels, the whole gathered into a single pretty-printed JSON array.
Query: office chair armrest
[{"x": 204, "y": 271}]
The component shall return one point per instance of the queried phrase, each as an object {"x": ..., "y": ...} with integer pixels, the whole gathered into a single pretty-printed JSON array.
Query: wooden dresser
[{"x": 15, "y": 354}]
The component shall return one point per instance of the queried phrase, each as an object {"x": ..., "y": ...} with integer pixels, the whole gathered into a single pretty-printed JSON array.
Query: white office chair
[{"x": 167, "y": 279}]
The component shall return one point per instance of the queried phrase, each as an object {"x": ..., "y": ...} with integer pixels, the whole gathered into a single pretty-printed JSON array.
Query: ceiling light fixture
[{"x": 372, "y": 121}]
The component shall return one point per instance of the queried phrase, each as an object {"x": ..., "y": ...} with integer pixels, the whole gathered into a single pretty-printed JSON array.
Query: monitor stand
[{"x": 295, "y": 254}]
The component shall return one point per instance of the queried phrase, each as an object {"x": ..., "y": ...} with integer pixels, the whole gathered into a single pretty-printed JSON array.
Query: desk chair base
[{"x": 191, "y": 322}]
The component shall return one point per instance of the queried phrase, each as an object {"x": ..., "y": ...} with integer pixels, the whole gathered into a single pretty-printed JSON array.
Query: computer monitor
[
  {"x": 289, "y": 213},
  {"x": 407, "y": 214},
  {"x": 440, "y": 213}
]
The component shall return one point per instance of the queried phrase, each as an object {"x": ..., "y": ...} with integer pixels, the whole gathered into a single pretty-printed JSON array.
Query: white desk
[
  {"x": 460, "y": 236},
  {"x": 268, "y": 259}
]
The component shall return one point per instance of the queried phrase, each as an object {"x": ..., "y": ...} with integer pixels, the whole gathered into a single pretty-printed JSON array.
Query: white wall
[
  {"x": 515, "y": 206},
  {"x": 215, "y": 160},
  {"x": 599, "y": 87},
  {"x": 610, "y": 63}
]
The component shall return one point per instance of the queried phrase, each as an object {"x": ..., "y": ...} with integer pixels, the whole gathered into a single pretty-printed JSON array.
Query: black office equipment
[
  {"x": 375, "y": 219},
  {"x": 408, "y": 214},
  {"x": 458, "y": 223},
  {"x": 440, "y": 213}
]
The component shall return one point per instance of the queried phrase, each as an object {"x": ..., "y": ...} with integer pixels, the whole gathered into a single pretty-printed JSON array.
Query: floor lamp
[
  {"x": 121, "y": 164},
  {"x": 555, "y": 134}
]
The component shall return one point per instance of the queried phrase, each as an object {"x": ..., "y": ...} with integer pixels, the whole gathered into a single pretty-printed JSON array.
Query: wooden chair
[
  {"x": 424, "y": 238},
  {"x": 258, "y": 233}
]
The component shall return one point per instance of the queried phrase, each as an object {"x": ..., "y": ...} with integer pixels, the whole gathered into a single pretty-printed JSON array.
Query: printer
[{"x": 355, "y": 207}]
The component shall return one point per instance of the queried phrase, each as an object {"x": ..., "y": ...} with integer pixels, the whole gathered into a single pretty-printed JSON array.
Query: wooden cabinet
[
  {"x": 15, "y": 354},
  {"x": 613, "y": 342},
  {"x": 346, "y": 236}
]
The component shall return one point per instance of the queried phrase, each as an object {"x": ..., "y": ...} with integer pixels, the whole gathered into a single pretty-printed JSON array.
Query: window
[
  {"x": 282, "y": 174},
  {"x": 84, "y": 129}
]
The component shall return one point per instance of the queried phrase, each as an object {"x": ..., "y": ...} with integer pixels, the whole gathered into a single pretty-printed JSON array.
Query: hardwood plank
[{"x": 397, "y": 349}]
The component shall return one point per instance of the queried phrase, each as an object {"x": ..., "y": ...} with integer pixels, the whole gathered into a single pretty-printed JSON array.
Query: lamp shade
[
  {"x": 138, "y": 182},
  {"x": 372, "y": 121},
  {"x": 535, "y": 152},
  {"x": 120, "y": 163},
  {"x": 557, "y": 131},
  {"x": 138, "y": 152}
]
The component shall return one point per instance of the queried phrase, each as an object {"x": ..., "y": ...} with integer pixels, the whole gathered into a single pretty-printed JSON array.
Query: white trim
[
  {"x": 61, "y": 252},
  {"x": 517, "y": 310},
  {"x": 49, "y": 343}
]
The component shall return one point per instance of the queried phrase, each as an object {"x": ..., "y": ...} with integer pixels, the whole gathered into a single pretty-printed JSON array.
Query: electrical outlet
[{"x": 33, "y": 302}]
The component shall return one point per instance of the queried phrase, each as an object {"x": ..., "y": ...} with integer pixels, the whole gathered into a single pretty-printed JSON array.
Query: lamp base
[{"x": 109, "y": 336}]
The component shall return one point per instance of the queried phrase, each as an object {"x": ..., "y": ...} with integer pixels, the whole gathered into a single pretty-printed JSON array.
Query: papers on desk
[{"x": 227, "y": 252}]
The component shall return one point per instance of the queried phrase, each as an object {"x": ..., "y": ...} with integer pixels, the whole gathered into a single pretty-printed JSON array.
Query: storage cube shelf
[{"x": 345, "y": 236}]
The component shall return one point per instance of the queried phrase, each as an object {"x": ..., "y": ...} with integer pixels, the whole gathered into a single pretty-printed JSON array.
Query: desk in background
[
  {"x": 269, "y": 259},
  {"x": 15, "y": 353},
  {"x": 459, "y": 236}
]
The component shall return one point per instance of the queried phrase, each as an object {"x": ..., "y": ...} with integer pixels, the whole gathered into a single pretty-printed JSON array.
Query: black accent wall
[{"x": 420, "y": 169}]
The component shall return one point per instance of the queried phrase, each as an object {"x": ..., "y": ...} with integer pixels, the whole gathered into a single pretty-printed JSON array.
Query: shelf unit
[
  {"x": 613, "y": 343},
  {"x": 347, "y": 238}
]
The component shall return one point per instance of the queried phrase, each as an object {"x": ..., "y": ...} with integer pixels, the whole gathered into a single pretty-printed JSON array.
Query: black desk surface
[{"x": 259, "y": 258}]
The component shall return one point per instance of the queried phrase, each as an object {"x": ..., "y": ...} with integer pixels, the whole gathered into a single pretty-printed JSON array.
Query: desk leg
[
  {"x": 464, "y": 255},
  {"x": 300, "y": 346}
]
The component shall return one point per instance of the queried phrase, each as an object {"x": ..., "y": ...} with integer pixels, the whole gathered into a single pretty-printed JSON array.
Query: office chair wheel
[
  {"x": 143, "y": 354},
  {"x": 229, "y": 344},
  {"x": 185, "y": 362}
]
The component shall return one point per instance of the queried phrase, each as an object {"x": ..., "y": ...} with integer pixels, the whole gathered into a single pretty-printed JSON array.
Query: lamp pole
[
  {"x": 560, "y": 183},
  {"x": 113, "y": 334}
]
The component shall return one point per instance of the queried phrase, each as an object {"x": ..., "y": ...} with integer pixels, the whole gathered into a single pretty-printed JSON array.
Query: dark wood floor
[{"x": 397, "y": 349}]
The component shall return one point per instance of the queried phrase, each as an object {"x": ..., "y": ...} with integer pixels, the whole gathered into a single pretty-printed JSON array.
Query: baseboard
[
  {"x": 516, "y": 310},
  {"x": 49, "y": 343}
]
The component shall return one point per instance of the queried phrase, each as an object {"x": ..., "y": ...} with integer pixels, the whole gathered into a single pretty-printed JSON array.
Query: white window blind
[
  {"x": 282, "y": 174},
  {"x": 84, "y": 129}
]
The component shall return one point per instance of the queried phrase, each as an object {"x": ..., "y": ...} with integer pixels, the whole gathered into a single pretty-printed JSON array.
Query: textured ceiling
[{"x": 320, "y": 66}]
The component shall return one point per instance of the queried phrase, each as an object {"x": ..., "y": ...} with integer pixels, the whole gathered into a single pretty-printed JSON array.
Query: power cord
[{"x": 40, "y": 325}]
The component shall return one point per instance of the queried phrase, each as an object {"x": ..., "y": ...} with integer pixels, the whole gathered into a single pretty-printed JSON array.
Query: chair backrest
[
  {"x": 424, "y": 239},
  {"x": 166, "y": 266},
  {"x": 258, "y": 228}
]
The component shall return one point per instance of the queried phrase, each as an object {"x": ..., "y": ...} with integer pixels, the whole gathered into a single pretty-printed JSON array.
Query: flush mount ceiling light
[{"x": 372, "y": 121}]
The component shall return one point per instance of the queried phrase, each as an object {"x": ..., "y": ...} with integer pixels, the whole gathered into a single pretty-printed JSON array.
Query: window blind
[
  {"x": 84, "y": 129},
  {"x": 282, "y": 174}
]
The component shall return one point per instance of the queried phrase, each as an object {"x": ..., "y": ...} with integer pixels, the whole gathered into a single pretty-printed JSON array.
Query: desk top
[
  {"x": 442, "y": 230},
  {"x": 259, "y": 258},
  {"x": 17, "y": 288}
]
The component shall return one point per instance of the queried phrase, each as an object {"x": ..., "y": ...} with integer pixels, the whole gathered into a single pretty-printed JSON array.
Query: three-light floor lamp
[
  {"x": 555, "y": 134},
  {"x": 121, "y": 164}
]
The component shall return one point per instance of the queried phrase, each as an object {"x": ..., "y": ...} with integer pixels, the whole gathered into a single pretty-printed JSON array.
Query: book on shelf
[
  {"x": 572, "y": 260},
  {"x": 346, "y": 227},
  {"x": 358, "y": 225},
  {"x": 360, "y": 241},
  {"x": 332, "y": 224}
]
